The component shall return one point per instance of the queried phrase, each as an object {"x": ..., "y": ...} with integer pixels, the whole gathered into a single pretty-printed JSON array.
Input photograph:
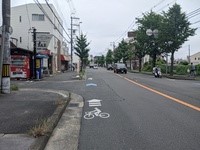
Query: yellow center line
[{"x": 164, "y": 95}]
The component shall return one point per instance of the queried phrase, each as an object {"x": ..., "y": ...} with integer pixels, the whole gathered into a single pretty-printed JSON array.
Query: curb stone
[{"x": 41, "y": 142}]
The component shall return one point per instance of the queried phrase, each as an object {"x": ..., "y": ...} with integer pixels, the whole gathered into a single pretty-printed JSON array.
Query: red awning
[{"x": 65, "y": 58}]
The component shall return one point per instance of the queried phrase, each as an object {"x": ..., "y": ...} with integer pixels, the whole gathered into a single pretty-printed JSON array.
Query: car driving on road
[{"x": 120, "y": 68}]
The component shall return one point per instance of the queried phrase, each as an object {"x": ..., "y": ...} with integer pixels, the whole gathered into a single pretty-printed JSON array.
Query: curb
[{"x": 41, "y": 142}]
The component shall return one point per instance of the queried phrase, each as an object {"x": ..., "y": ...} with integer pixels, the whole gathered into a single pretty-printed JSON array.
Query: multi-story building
[
  {"x": 47, "y": 24},
  {"x": 195, "y": 58}
]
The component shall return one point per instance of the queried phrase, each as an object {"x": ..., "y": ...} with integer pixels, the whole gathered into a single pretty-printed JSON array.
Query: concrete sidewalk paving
[{"x": 21, "y": 110}]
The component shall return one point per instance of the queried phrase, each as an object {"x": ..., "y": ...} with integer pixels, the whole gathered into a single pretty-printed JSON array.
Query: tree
[
  {"x": 122, "y": 52},
  {"x": 175, "y": 29},
  {"x": 81, "y": 49},
  {"x": 102, "y": 61},
  {"x": 151, "y": 21},
  {"x": 140, "y": 46},
  {"x": 109, "y": 57}
]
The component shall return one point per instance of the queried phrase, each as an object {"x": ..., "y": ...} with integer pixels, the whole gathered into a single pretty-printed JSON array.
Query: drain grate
[{"x": 73, "y": 105}]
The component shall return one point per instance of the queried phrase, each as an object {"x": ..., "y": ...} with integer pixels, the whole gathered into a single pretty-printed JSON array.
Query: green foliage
[
  {"x": 181, "y": 69},
  {"x": 150, "y": 44},
  {"x": 122, "y": 52},
  {"x": 109, "y": 57},
  {"x": 184, "y": 62},
  {"x": 81, "y": 49},
  {"x": 197, "y": 69},
  {"x": 176, "y": 28},
  {"x": 147, "y": 67},
  {"x": 102, "y": 61}
]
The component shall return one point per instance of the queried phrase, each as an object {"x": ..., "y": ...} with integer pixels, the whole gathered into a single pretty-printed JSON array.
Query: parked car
[
  {"x": 109, "y": 67},
  {"x": 120, "y": 68}
]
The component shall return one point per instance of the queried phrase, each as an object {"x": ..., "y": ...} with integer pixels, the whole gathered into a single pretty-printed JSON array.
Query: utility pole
[
  {"x": 34, "y": 53},
  {"x": 5, "y": 45},
  {"x": 71, "y": 42},
  {"x": 189, "y": 53},
  {"x": 58, "y": 55}
]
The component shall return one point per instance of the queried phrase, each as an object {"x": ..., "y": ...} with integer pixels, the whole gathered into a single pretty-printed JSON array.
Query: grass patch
[
  {"x": 14, "y": 87},
  {"x": 40, "y": 129}
]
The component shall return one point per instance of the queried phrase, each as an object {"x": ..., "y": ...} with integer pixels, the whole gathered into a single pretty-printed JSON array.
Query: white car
[{"x": 95, "y": 67}]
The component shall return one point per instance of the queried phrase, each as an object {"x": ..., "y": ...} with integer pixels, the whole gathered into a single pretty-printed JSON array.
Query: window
[
  {"x": 20, "y": 39},
  {"x": 20, "y": 18},
  {"x": 37, "y": 17}
]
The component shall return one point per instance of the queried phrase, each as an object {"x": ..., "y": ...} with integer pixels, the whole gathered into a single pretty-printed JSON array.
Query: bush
[
  {"x": 181, "y": 69},
  {"x": 184, "y": 62},
  {"x": 197, "y": 69},
  {"x": 147, "y": 67}
]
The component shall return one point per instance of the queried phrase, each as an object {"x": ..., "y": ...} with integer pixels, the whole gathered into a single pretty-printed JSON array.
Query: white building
[
  {"x": 195, "y": 58},
  {"x": 26, "y": 17}
]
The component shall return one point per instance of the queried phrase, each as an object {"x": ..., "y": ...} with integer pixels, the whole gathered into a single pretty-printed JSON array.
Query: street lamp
[
  {"x": 166, "y": 55},
  {"x": 153, "y": 33},
  {"x": 149, "y": 32}
]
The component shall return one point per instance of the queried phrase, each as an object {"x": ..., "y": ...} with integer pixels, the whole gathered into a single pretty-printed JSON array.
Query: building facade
[
  {"x": 195, "y": 58},
  {"x": 26, "y": 17}
]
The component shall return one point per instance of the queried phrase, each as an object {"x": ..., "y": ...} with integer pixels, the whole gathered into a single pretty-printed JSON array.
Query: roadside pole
[
  {"x": 34, "y": 54},
  {"x": 5, "y": 81},
  {"x": 59, "y": 56}
]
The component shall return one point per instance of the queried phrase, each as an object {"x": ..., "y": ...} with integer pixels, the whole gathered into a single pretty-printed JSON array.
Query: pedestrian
[{"x": 192, "y": 70}]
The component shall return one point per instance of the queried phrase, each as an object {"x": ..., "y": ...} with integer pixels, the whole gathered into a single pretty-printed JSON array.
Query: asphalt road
[
  {"x": 133, "y": 116},
  {"x": 139, "y": 118}
]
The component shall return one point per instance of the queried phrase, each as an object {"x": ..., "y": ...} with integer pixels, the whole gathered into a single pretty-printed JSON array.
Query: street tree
[
  {"x": 109, "y": 57},
  {"x": 140, "y": 47},
  {"x": 154, "y": 22},
  {"x": 176, "y": 30},
  {"x": 81, "y": 50},
  {"x": 122, "y": 52}
]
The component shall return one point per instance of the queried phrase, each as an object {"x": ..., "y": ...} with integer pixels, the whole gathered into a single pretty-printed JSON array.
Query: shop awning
[{"x": 65, "y": 58}]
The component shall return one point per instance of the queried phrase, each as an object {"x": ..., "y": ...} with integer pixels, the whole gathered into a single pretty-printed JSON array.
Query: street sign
[{"x": 42, "y": 40}]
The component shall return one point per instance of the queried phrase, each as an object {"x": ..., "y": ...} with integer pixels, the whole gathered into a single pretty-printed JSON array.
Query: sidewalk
[{"x": 22, "y": 110}]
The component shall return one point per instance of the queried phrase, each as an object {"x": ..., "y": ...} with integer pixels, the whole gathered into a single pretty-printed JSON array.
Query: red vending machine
[{"x": 20, "y": 67}]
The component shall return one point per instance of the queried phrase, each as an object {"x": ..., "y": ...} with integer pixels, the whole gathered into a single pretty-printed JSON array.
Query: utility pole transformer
[{"x": 5, "y": 51}]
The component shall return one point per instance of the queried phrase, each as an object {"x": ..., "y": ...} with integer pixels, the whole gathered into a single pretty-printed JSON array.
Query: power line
[
  {"x": 133, "y": 22},
  {"x": 196, "y": 22},
  {"x": 57, "y": 18},
  {"x": 42, "y": 9},
  {"x": 193, "y": 13}
]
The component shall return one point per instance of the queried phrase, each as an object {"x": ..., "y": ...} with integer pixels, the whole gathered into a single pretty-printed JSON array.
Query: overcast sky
[{"x": 107, "y": 21}]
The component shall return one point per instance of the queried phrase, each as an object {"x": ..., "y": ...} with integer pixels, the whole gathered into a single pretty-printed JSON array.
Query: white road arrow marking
[{"x": 94, "y": 102}]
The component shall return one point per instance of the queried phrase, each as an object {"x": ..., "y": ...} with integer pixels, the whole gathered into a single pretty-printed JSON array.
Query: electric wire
[
  {"x": 42, "y": 9},
  {"x": 57, "y": 18},
  {"x": 133, "y": 22}
]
